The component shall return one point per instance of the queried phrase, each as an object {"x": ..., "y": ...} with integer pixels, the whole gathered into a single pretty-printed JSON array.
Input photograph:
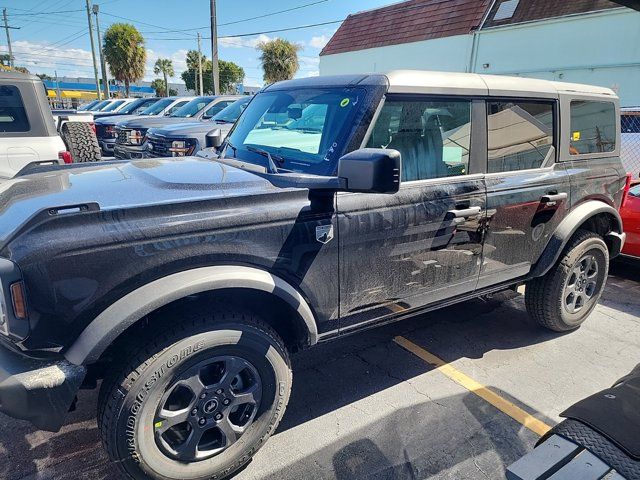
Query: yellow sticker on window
[
  {"x": 344, "y": 102},
  {"x": 575, "y": 136}
]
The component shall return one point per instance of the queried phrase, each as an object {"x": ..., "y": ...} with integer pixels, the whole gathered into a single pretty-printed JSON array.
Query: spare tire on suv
[{"x": 81, "y": 142}]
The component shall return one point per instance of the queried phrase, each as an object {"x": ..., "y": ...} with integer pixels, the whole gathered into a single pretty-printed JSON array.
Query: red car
[{"x": 630, "y": 212}]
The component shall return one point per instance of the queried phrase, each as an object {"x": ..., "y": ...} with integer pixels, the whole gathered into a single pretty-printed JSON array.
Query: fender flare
[
  {"x": 119, "y": 316},
  {"x": 569, "y": 225}
]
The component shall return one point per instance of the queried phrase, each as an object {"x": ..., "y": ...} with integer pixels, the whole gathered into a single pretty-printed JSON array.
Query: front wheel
[
  {"x": 564, "y": 297},
  {"x": 197, "y": 402}
]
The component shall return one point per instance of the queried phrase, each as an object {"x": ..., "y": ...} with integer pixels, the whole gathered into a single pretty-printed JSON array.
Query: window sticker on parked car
[{"x": 576, "y": 136}]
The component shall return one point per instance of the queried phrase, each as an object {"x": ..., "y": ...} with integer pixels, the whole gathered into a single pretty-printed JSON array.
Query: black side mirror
[
  {"x": 214, "y": 138},
  {"x": 371, "y": 170}
]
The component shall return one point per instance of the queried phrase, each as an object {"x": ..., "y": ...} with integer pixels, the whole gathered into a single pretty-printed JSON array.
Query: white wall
[
  {"x": 449, "y": 54},
  {"x": 600, "y": 48}
]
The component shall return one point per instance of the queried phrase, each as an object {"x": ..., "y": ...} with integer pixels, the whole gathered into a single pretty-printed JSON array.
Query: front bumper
[
  {"x": 107, "y": 145},
  {"x": 37, "y": 390},
  {"x": 128, "y": 152}
]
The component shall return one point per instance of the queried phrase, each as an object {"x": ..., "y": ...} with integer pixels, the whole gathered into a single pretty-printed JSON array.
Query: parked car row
[{"x": 126, "y": 136}]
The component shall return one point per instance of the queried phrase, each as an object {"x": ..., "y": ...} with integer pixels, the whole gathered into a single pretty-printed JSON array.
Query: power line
[
  {"x": 43, "y": 13},
  {"x": 234, "y": 22}
]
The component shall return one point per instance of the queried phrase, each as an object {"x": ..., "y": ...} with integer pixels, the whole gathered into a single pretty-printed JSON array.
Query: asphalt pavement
[{"x": 365, "y": 407}]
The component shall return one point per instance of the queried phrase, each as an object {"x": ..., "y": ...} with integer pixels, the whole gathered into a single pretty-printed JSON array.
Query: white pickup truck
[{"x": 31, "y": 135}]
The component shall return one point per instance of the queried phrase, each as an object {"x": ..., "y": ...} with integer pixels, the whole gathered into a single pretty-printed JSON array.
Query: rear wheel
[
  {"x": 198, "y": 402},
  {"x": 562, "y": 299},
  {"x": 81, "y": 141}
]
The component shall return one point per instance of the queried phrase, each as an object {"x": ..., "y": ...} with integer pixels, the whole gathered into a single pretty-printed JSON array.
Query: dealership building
[{"x": 585, "y": 41}]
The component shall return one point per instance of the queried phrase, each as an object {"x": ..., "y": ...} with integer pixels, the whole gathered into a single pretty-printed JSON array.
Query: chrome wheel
[
  {"x": 582, "y": 283},
  {"x": 207, "y": 408}
]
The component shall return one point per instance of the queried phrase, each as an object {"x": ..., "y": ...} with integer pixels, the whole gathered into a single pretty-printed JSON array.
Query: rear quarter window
[
  {"x": 593, "y": 127},
  {"x": 13, "y": 115}
]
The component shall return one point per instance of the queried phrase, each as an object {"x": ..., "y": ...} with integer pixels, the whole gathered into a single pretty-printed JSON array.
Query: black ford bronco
[{"x": 186, "y": 283}]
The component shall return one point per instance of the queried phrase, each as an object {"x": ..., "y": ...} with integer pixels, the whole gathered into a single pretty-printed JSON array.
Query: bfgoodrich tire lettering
[
  {"x": 562, "y": 299},
  {"x": 130, "y": 399}
]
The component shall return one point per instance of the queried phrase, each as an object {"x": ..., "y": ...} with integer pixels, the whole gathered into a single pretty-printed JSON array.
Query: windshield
[
  {"x": 99, "y": 105},
  {"x": 113, "y": 106},
  {"x": 137, "y": 106},
  {"x": 158, "y": 107},
  {"x": 216, "y": 108},
  {"x": 89, "y": 105},
  {"x": 189, "y": 109},
  {"x": 304, "y": 130},
  {"x": 231, "y": 113}
]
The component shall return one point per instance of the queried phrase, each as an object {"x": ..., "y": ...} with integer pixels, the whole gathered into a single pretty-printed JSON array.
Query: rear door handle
[
  {"x": 464, "y": 212},
  {"x": 553, "y": 198}
]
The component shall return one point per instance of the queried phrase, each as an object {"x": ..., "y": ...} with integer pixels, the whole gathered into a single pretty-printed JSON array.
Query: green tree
[
  {"x": 279, "y": 59},
  {"x": 125, "y": 53},
  {"x": 159, "y": 86},
  {"x": 230, "y": 74},
  {"x": 192, "y": 59},
  {"x": 5, "y": 59},
  {"x": 173, "y": 92},
  {"x": 164, "y": 66}
]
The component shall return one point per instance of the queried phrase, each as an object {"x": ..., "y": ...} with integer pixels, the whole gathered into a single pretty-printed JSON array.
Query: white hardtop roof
[{"x": 419, "y": 81}]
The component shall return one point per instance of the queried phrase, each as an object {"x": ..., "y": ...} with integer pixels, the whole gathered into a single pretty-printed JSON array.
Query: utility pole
[
  {"x": 58, "y": 94},
  {"x": 93, "y": 51},
  {"x": 103, "y": 65},
  {"x": 214, "y": 49},
  {"x": 200, "y": 64},
  {"x": 6, "y": 29}
]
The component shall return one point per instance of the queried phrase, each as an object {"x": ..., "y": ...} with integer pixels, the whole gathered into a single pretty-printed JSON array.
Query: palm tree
[
  {"x": 279, "y": 59},
  {"x": 125, "y": 53},
  {"x": 164, "y": 66}
]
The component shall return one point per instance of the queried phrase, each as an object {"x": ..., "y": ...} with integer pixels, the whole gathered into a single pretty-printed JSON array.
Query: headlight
[
  {"x": 179, "y": 148},
  {"x": 110, "y": 132}
]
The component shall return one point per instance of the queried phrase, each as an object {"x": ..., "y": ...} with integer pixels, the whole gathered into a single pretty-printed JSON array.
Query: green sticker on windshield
[{"x": 344, "y": 102}]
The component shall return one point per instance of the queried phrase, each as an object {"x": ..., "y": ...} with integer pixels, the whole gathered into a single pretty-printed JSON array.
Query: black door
[
  {"x": 405, "y": 251},
  {"x": 527, "y": 191}
]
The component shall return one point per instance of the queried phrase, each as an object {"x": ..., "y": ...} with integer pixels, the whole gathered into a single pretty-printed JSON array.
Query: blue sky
[{"x": 58, "y": 41}]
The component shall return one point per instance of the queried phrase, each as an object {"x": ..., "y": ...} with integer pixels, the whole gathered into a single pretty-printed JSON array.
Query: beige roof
[{"x": 420, "y": 81}]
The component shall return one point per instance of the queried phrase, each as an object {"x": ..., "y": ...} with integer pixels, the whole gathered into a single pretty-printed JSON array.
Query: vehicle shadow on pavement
[
  {"x": 324, "y": 382},
  {"x": 459, "y": 436}
]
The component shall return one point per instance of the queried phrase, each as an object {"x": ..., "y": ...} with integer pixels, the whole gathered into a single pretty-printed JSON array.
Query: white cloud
[
  {"x": 318, "y": 42},
  {"x": 77, "y": 62},
  {"x": 41, "y": 58},
  {"x": 241, "y": 42}
]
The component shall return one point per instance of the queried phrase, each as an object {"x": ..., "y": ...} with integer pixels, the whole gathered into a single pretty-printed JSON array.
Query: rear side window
[
  {"x": 593, "y": 127},
  {"x": 433, "y": 137},
  {"x": 520, "y": 135},
  {"x": 13, "y": 116}
]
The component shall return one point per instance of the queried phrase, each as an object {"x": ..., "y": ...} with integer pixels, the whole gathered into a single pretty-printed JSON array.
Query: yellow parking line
[{"x": 480, "y": 390}]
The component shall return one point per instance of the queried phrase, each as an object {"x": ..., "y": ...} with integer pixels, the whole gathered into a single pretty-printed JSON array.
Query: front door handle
[
  {"x": 464, "y": 212},
  {"x": 553, "y": 198}
]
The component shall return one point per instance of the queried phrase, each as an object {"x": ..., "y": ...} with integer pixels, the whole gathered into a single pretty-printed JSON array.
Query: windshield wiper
[
  {"x": 223, "y": 154},
  {"x": 271, "y": 166}
]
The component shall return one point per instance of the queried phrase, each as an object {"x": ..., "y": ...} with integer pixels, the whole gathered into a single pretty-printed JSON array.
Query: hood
[
  {"x": 120, "y": 185},
  {"x": 151, "y": 122},
  {"x": 181, "y": 130},
  {"x": 113, "y": 119}
]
